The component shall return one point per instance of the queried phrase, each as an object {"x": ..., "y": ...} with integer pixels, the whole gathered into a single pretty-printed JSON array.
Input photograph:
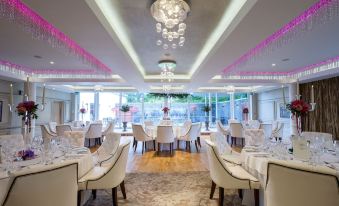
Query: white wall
[{"x": 268, "y": 107}]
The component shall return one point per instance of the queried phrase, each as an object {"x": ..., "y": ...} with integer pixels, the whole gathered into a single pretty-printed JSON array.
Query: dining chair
[
  {"x": 12, "y": 139},
  {"x": 233, "y": 121},
  {"x": 46, "y": 134},
  {"x": 254, "y": 136},
  {"x": 107, "y": 176},
  {"x": 190, "y": 136},
  {"x": 166, "y": 123},
  {"x": 186, "y": 126},
  {"x": 222, "y": 129},
  {"x": 94, "y": 132},
  {"x": 228, "y": 175},
  {"x": 148, "y": 123},
  {"x": 165, "y": 135},
  {"x": 51, "y": 185},
  {"x": 278, "y": 131},
  {"x": 267, "y": 129},
  {"x": 60, "y": 129},
  {"x": 108, "y": 148},
  {"x": 225, "y": 150},
  {"x": 52, "y": 127},
  {"x": 108, "y": 129},
  {"x": 76, "y": 138},
  {"x": 236, "y": 131},
  {"x": 253, "y": 124},
  {"x": 139, "y": 134},
  {"x": 198, "y": 138},
  {"x": 296, "y": 184},
  {"x": 313, "y": 135}
]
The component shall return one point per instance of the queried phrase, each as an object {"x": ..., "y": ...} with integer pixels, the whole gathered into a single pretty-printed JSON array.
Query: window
[
  {"x": 108, "y": 106},
  {"x": 87, "y": 102},
  {"x": 240, "y": 102}
]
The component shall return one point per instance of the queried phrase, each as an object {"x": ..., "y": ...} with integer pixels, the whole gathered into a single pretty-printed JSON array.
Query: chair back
[
  {"x": 313, "y": 135},
  {"x": 233, "y": 121},
  {"x": 220, "y": 142},
  {"x": 109, "y": 129},
  {"x": 219, "y": 171},
  {"x": 52, "y": 126},
  {"x": 51, "y": 185},
  {"x": 267, "y": 129},
  {"x": 220, "y": 127},
  {"x": 294, "y": 185},
  {"x": 254, "y": 136},
  {"x": 139, "y": 133},
  {"x": 148, "y": 123},
  {"x": 60, "y": 129},
  {"x": 109, "y": 146},
  {"x": 187, "y": 123},
  {"x": 236, "y": 130},
  {"x": 279, "y": 130},
  {"x": 76, "y": 138},
  {"x": 117, "y": 172},
  {"x": 165, "y": 134},
  {"x": 194, "y": 131},
  {"x": 45, "y": 133},
  {"x": 12, "y": 139},
  {"x": 94, "y": 131},
  {"x": 253, "y": 124},
  {"x": 166, "y": 123}
]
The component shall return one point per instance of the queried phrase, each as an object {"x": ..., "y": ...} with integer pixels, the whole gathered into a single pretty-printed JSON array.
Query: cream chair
[
  {"x": 296, "y": 184},
  {"x": 108, "y": 129},
  {"x": 94, "y": 132},
  {"x": 225, "y": 150},
  {"x": 165, "y": 136},
  {"x": 139, "y": 134},
  {"x": 166, "y": 123},
  {"x": 12, "y": 139},
  {"x": 108, "y": 148},
  {"x": 51, "y": 185},
  {"x": 191, "y": 135},
  {"x": 313, "y": 135},
  {"x": 222, "y": 129},
  {"x": 60, "y": 129},
  {"x": 267, "y": 129},
  {"x": 76, "y": 138},
  {"x": 254, "y": 137},
  {"x": 107, "y": 176},
  {"x": 253, "y": 124},
  {"x": 52, "y": 127},
  {"x": 233, "y": 121},
  {"x": 46, "y": 134},
  {"x": 186, "y": 126},
  {"x": 229, "y": 175},
  {"x": 278, "y": 131},
  {"x": 148, "y": 123},
  {"x": 236, "y": 131}
]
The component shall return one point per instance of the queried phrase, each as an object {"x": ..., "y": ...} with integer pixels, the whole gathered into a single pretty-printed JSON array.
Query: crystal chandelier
[
  {"x": 166, "y": 88},
  {"x": 170, "y": 15},
  {"x": 167, "y": 68}
]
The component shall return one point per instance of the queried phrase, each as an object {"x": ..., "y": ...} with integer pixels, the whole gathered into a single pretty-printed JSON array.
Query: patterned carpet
[{"x": 166, "y": 189}]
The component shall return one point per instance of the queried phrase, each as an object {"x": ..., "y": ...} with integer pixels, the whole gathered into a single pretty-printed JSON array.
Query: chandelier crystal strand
[{"x": 170, "y": 15}]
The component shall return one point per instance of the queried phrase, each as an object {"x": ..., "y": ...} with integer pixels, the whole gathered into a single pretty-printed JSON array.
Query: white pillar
[
  {"x": 216, "y": 105},
  {"x": 142, "y": 107},
  {"x": 96, "y": 106},
  {"x": 188, "y": 107},
  {"x": 119, "y": 112},
  {"x": 292, "y": 92},
  {"x": 232, "y": 105},
  {"x": 210, "y": 105}
]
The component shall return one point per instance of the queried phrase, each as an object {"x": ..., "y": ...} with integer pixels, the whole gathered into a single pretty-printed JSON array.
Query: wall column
[
  {"x": 253, "y": 100},
  {"x": 232, "y": 105},
  {"x": 292, "y": 92},
  {"x": 142, "y": 99},
  {"x": 210, "y": 105}
]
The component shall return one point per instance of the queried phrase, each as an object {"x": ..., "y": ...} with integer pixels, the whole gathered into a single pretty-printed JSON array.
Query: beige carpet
[{"x": 166, "y": 189}]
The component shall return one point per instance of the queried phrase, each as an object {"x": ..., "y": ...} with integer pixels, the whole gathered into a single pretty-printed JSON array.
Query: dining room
[{"x": 169, "y": 102}]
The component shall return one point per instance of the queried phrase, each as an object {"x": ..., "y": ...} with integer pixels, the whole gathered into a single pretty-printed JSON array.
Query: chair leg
[
  {"x": 189, "y": 146},
  {"x": 115, "y": 196},
  {"x": 196, "y": 145},
  {"x": 198, "y": 139},
  {"x": 178, "y": 145},
  {"x": 122, "y": 186},
  {"x": 159, "y": 147},
  {"x": 170, "y": 148},
  {"x": 136, "y": 145},
  {"x": 221, "y": 196},
  {"x": 256, "y": 197},
  {"x": 242, "y": 142},
  {"x": 134, "y": 141},
  {"x": 154, "y": 145},
  {"x": 143, "y": 146},
  {"x": 240, "y": 193},
  {"x": 212, "y": 189},
  {"x": 79, "y": 198},
  {"x": 94, "y": 194}
]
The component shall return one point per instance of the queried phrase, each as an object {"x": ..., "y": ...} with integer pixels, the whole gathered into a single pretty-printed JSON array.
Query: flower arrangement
[
  {"x": 298, "y": 107},
  {"x": 165, "y": 110},
  {"x": 83, "y": 110},
  {"x": 245, "y": 110},
  {"x": 26, "y": 154},
  {"x": 27, "y": 110},
  {"x": 125, "y": 108},
  {"x": 206, "y": 108}
]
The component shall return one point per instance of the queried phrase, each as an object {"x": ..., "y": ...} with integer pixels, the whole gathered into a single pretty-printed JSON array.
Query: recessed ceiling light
[
  {"x": 51, "y": 62},
  {"x": 37, "y": 56},
  {"x": 285, "y": 60},
  {"x": 273, "y": 65}
]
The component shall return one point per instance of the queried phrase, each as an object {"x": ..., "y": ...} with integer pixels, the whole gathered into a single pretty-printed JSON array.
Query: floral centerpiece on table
[
  {"x": 26, "y": 154},
  {"x": 125, "y": 108},
  {"x": 28, "y": 111},
  {"x": 206, "y": 109},
  {"x": 165, "y": 110},
  {"x": 82, "y": 111},
  {"x": 298, "y": 108},
  {"x": 245, "y": 112}
]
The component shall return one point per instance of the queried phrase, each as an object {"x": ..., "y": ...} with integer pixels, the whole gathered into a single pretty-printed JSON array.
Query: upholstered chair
[
  {"x": 148, "y": 123},
  {"x": 225, "y": 150},
  {"x": 190, "y": 136},
  {"x": 222, "y": 129},
  {"x": 166, "y": 123},
  {"x": 295, "y": 184},
  {"x": 236, "y": 131},
  {"x": 139, "y": 134},
  {"x": 278, "y": 131},
  {"x": 233, "y": 121},
  {"x": 267, "y": 129},
  {"x": 94, "y": 132},
  {"x": 52, "y": 127},
  {"x": 312, "y": 135},
  {"x": 108, "y": 129},
  {"x": 228, "y": 175},
  {"x": 253, "y": 124},
  {"x": 108, "y": 148},
  {"x": 12, "y": 139},
  {"x": 60, "y": 129},
  {"x": 51, "y": 185},
  {"x": 46, "y": 134},
  {"x": 186, "y": 126},
  {"x": 107, "y": 176},
  {"x": 76, "y": 138},
  {"x": 254, "y": 136},
  {"x": 165, "y": 135}
]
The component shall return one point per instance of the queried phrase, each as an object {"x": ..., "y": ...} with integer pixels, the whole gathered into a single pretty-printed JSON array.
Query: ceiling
[{"x": 218, "y": 33}]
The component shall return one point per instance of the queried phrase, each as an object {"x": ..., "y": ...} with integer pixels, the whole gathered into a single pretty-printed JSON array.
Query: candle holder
[
  {"x": 42, "y": 107},
  {"x": 298, "y": 96},
  {"x": 10, "y": 106},
  {"x": 312, "y": 106}
]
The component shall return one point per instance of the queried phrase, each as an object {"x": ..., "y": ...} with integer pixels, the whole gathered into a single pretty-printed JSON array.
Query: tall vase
[
  {"x": 27, "y": 131},
  {"x": 297, "y": 127}
]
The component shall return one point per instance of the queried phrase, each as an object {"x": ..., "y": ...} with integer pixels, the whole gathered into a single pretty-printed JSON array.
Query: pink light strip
[
  {"x": 32, "y": 16},
  {"x": 280, "y": 33},
  {"x": 45, "y": 71}
]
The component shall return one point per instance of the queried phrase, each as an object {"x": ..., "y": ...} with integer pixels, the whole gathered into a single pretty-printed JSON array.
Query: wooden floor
[{"x": 180, "y": 161}]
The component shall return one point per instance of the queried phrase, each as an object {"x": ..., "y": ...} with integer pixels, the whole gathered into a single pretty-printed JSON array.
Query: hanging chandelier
[
  {"x": 170, "y": 16},
  {"x": 167, "y": 69}
]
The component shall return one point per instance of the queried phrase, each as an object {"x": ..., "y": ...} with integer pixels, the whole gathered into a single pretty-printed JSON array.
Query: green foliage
[{"x": 125, "y": 108}]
